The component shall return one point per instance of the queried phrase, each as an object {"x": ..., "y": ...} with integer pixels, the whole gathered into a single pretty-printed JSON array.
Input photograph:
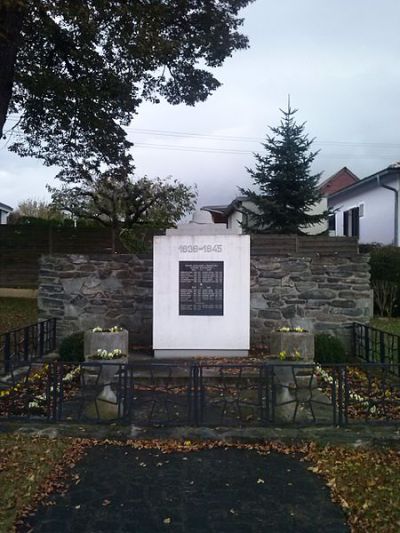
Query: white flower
[
  {"x": 97, "y": 329},
  {"x": 71, "y": 375}
]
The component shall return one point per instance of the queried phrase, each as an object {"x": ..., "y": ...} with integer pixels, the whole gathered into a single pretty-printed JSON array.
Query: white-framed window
[{"x": 361, "y": 209}]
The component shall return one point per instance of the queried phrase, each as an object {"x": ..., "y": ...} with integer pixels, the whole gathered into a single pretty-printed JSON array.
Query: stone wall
[
  {"x": 98, "y": 290},
  {"x": 318, "y": 292}
]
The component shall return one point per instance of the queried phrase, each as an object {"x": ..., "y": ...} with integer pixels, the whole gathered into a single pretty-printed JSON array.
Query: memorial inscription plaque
[{"x": 201, "y": 288}]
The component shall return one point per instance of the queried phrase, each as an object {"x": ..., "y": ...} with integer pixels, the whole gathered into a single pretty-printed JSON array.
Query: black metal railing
[
  {"x": 22, "y": 346},
  {"x": 373, "y": 345},
  {"x": 198, "y": 394}
]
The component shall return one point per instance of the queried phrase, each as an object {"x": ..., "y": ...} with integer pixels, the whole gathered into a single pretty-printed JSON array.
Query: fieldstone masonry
[
  {"x": 318, "y": 292},
  {"x": 98, "y": 290}
]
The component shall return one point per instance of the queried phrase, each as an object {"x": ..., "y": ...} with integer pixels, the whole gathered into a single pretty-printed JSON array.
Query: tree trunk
[{"x": 11, "y": 18}]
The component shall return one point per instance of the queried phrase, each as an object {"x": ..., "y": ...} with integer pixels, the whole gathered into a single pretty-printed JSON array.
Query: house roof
[
  {"x": 341, "y": 179},
  {"x": 6, "y": 208},
  {"x": 331, "y": 184},
  {"x": 391, "y": 170},
  {"x": 226, "y": 209},
  {"x": 214, "y": 208}
]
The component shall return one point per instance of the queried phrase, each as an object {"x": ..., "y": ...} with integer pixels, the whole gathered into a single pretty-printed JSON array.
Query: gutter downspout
[{"x": 396, "y": 208}]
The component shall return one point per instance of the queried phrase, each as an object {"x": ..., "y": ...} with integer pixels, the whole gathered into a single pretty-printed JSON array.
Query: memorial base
[{"x": 181, "y": 354}]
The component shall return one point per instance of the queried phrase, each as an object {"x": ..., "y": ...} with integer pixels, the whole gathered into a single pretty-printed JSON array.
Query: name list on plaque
[{"x": 201, "y": 288}]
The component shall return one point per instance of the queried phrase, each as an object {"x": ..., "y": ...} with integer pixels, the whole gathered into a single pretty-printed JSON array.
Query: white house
[
  {"x": 369, "y": 209},
  {"x": 5, "y": 210},
  {"x": 233, "y": 214}
]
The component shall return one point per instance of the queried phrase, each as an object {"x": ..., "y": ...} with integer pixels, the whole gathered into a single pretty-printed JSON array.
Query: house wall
[
  {"x": 236, "y": 217},
  {"x": 3, "y": 217},
  {"x": 377, "y": 223},
  {"x": 318, "y": 292},
  {"x": 234, "y": 220},
  {"x": 317, "y": 229}
]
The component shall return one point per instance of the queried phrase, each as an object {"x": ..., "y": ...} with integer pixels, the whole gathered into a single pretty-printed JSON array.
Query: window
[
  {"x": 361, "y": 210},
  {"x": 332, "y": 223},
  {"x": 351, "y": 222}
]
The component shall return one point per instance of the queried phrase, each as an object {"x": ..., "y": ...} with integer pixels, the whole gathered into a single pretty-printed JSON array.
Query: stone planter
[
  {"x": 291, "y": 342},
  {"x": 105, "y": 340},
  {"x": 286, "y": 371}
]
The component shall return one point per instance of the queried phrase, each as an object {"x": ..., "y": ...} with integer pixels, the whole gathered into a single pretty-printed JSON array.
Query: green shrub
[
  {"x": 71, "y": 348},
  {"x": 385, "y": 278},
  {"x": 385, "y": 263},
  {"x": 329, "y": 349}
]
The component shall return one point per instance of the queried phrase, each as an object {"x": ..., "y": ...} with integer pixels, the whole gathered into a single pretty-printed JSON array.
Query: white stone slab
[{"x": 182, "y": 335}]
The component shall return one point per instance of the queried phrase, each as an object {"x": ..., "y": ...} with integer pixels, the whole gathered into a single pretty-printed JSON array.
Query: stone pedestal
[
  {"x": 291, "y": 342},
  {"x": 285, "y": 372},
  {"x": 106, "y": 340},
  {"x": 106, "y": 406}
]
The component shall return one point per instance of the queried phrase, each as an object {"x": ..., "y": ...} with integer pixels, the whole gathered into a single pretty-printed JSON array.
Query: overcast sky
[{"x": 338, "y": 59}]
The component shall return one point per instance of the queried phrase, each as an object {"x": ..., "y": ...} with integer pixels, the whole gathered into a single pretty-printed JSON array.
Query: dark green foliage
[
  {"x": 385, "y": 278},
  {"x": 122, "y": 202},
  {"x": 329, "y": 349},
  {"x": 71, "y": 348},
  {"x": 34, "y": 221},
  {"x": 286, "y": 189},
  {"x": 79, "y": 70},
  {"x": 385, "y": 263}
]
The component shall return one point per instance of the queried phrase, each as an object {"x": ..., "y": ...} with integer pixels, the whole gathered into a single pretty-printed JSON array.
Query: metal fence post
[
  {"x": 367, "y": 341},
  {"x": 7, "y": 352},
  {"x": 382, "y": 346},
  {"x": 194, "y": 396},
  {"x": 268, "y": 386},
  {"x": 339, "y": 397},
  {"x": 26, "y": 343},
  {"x": 54, "y": 334},
  {"x": 56, "y": 403},
  {"x": 398, "y": 356},
  {"x": 354, "y": 339},
  {"x": 41, "y": 339}
]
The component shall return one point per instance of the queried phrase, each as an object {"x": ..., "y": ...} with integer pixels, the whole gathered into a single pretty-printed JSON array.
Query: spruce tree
[{"x": 286, "y": 190}]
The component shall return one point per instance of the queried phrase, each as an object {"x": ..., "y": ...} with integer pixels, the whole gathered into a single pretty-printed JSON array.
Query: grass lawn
[
  {"x": 25, "y": 463},
  {"x": 17, "y": 312},
  {"x": 392, "y": 325},
  {"x": 363, "y": 481}
]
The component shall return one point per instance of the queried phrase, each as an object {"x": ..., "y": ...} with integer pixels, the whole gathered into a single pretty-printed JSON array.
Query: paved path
[{"x": 211, "y": 491}]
